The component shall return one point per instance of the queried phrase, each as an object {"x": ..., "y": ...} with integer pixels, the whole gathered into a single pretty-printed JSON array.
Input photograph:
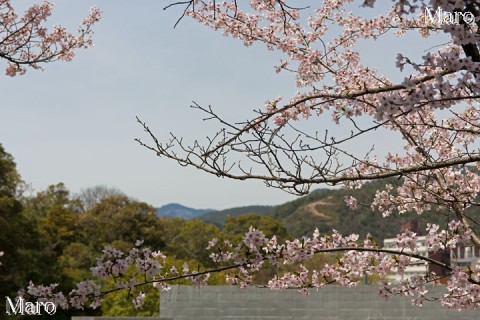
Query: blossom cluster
[
  {"x": 331, "y": 77},
  {"x": 26, "y": 42},
  {"x": 355, "y": 259},
  {"x": 129, "y": 271},
  {"x": 314, "y": 59}
]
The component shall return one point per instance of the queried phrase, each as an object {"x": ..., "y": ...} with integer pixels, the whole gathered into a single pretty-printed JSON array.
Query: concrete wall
[
  {"x": 330, "y": 303},
  {"x": 114, "y": 318}
]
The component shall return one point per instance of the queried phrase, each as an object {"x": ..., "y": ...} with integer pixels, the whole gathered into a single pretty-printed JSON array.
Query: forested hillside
[{"x": 326, "y": 210}]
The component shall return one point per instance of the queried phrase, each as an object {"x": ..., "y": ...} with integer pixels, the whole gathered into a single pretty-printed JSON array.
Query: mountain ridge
[
  {"x": 218, "y": 217},
  {"x": 181, "y": 211}
]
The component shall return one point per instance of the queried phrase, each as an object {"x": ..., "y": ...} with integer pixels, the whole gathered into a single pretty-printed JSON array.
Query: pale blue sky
[{"x": 75, "y": 122}]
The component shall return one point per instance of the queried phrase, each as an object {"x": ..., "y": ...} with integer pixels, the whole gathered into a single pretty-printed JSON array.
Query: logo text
[{"x": 22, "y": 307}]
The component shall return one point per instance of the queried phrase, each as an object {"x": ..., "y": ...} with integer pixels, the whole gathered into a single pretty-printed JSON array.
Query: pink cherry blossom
[{"x": 25, "y": 42}]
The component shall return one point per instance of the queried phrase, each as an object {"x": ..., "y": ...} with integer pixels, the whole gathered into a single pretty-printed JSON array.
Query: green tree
[
  {"x": 235, "y": 227},
  {"x": 120, "y": 220},
  {"x": 188, "y": 239},
  {"x": 57, "y": 216},
  {"x": 12, "y": 242},
  {"x": 25, "y": 257},
  {"x": 15, "y": 237}
]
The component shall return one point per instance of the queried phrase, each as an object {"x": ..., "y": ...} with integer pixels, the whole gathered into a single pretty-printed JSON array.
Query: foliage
[
  {"x": 118, "y": 218},
  {"x": 235, "y": 227},
  {"x": 17, "y": 232},
  {"x": 326, "y": 209},
  {"x": 187, "y": 239}
]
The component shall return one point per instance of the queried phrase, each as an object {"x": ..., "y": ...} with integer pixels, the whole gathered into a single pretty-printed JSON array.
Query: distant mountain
[
  {"x": 218, "y": 217},
  {"x": 181, "y": 211}
]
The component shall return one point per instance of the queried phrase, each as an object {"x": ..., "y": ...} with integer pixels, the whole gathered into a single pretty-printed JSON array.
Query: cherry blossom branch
[
  {"x": 204, "y": 153},
  {"x": 25, "y": 42},
  {"x": 236, "y": 266},
  {"x": 389, "y": 251},
  {"x": 173, "y": 278},
  {"x": 248, "y": 257}
]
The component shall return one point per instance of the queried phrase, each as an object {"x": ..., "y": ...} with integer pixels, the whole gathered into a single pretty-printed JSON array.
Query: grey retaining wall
[
  {"x": 330, "y": 303},
  {"x": 114, "y": 318}
]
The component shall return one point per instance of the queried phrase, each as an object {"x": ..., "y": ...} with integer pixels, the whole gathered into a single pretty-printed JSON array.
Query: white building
[
  {"x": 418, "y": 267},
  {"x": 465, "y": 256}
]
